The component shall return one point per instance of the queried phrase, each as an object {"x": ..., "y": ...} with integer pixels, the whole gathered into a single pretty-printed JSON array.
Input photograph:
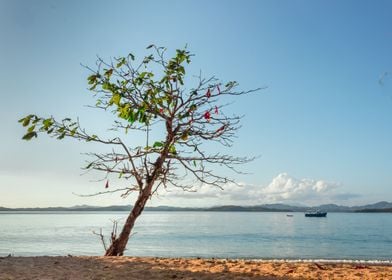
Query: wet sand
[{"x": 181, "y": 268}]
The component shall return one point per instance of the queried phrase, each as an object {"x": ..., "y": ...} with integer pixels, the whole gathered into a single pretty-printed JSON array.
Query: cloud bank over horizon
[{"x": 283, "y": 188}]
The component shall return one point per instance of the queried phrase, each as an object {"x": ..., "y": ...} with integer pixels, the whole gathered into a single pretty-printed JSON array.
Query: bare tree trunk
[{"x": 118, "y": 246}]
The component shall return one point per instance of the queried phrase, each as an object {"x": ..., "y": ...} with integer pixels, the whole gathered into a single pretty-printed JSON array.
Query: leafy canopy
[{"x": 143, "y": 94}]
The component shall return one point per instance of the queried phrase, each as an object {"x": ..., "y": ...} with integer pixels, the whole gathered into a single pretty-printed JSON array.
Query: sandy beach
[{"x": 180, "y": 268}]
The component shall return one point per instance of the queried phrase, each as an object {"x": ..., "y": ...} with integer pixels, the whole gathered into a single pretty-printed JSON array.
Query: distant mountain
[
  {"x": 285, "y": 207},
  {"x": 381, "y": 206},
  {"x": 382, "y": 210},
  {"x": 73, "y": 208},
  {"x": 333, "y": 208},
  {"x": 378, "y": 205},
  {"x": 234, "y": 208},
  {"x": 170, "y": 208}
]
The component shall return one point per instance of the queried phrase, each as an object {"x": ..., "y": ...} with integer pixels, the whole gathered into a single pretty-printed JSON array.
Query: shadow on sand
[{"x": 131, "y": 268}]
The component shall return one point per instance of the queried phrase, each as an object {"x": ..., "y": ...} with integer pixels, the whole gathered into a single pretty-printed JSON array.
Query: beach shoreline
[{"x": 93, "y": 267}]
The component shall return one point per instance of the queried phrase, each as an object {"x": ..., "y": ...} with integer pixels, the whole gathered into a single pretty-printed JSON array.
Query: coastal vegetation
[{"x": 176, "y": 115}]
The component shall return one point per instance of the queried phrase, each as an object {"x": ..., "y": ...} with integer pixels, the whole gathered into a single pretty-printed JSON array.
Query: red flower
[
  {"x": 161, "y": 111},
  {"x": 207, "y": 116},
  {"x": 208, "y": 94},
  {"x": 216, "y": 110},
  {"x": 107, "y": 184}
]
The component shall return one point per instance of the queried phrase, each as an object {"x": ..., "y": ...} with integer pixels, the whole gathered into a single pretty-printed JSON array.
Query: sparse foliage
[{"x": 147, "y": 96}]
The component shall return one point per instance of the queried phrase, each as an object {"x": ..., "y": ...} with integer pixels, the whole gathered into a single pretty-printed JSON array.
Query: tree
[{"x": 148, "y": 96}]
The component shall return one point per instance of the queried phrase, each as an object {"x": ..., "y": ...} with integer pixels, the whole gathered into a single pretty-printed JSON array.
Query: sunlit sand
[{"x": 181, "y": 268}]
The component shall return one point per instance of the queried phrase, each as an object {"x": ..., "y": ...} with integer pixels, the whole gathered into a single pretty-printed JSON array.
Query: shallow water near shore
[{"x": 340, "y": 236}]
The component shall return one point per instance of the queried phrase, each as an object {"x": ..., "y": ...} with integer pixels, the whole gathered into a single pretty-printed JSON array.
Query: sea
[{"x": 246, "y": 235}]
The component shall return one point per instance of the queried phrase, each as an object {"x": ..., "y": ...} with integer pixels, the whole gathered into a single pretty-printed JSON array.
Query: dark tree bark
[{"x": 118, "y": 246}]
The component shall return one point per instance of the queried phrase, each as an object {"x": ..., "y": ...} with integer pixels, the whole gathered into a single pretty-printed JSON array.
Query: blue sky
[{"x": 322, "y": 127}]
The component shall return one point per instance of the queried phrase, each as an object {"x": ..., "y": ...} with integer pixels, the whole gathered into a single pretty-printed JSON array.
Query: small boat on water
[
  {"x": 289, "y": 215},
  {"x": 317, "y": 213}
]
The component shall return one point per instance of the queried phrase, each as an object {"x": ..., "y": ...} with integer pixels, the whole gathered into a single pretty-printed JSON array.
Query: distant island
[{"x": 379, "y": 207}]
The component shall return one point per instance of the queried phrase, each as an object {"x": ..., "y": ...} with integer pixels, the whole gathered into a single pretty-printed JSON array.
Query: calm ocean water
[{"x": 203, "y": 234}]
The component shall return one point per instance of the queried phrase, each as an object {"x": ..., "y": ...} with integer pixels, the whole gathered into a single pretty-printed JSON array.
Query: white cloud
[
  {"x": 282, "y": 189},
  {"x": 285, "y": 188}
]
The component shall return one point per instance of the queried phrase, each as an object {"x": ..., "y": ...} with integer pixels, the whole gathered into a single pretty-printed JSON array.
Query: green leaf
[
  {"x": 184, "y": 136},
  {"x": 47, "y": 123},
  {"x": 31, "y": 128},
  {"x": 193, "y": 107},
  {"x": 143, "y": 118},
  {"x": 115, "y": 99},
  {"x": 108, "y": 73},
  {"x": 142, "y": 75},
  {"x": 89, "y": 165},
  {"x": 73, "y": 131},
  {"x": 231, "y": 84},
  {"x": 62, "y": 135},
  {"x": 131, "y": 56},
  {"x": 121, "y": 62},
  {"x": 92, "y": 137},
  {"x": 172, "y": 150},
  {"x": 26, "y": 121},
  {"x": 150, "y": 46},
  {"x": 106, "y": 86},
  {"x": 180, "y": 80},
  {"x": 92, "y": 79},
  {"x": 157, "y": 144},
  {"x": 132, "y": 117},
  {"x": 36, "y": 120},
  {"x": 29, "y": 135},
  {"x": 147, "y": 59}
]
